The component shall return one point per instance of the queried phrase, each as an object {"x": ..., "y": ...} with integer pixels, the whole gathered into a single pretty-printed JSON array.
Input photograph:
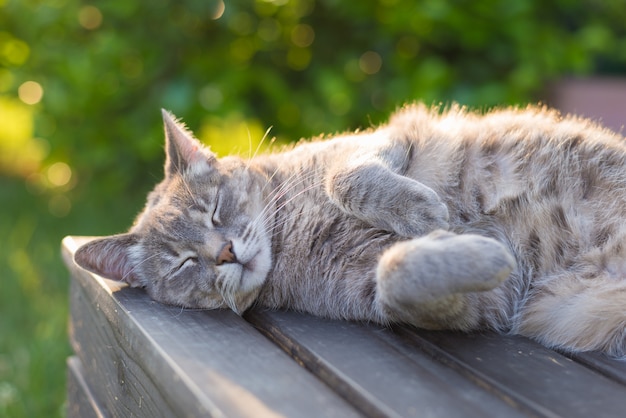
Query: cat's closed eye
[
  {"x": 215, "y": 217},
  {"x": 187, "y": 261}
]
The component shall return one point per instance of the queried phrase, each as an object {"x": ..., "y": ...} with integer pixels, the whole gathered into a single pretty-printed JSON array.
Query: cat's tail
[{"x": 574, "y": 313}]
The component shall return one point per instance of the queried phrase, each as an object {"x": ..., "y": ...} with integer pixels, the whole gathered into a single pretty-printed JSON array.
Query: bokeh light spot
[
  {"x": 13, "y": 50},
  {"x": 370, "y": 62},
  {"x": 59, "y": 174},
  {"x": 269, "y": 30},
  {"x": 232, "y": 134},
  {"x": 90, "y": 17},
  {"x": 302, "y": 35},
  {"x": 30, "y": 92},
  {"x": 218, "y": 10}
]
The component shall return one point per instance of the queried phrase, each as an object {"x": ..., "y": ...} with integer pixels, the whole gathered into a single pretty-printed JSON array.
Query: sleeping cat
[{"x": 443, "y": 219}]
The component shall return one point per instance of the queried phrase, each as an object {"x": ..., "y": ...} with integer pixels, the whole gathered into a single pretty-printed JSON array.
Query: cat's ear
[
  {"x": 183, "y": 151},
  {"x": 110, "y": 257}
]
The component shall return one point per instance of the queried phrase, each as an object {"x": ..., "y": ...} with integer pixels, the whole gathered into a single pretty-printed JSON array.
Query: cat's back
[
  {"x": 523, "y": 176},
  {"x": 507, "y": 151}
]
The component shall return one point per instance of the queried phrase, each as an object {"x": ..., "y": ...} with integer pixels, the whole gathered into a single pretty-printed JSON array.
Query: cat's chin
[
  {"x": 245, "y": 301},
  {"x": 252, "y": 275},
  {"x": 255, "y": 271},
  {"x": 251, "y": 279}
]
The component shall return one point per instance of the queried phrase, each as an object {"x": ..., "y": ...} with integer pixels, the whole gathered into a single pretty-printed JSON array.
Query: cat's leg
[
  {"x": 433, "y": 281},
  {"x": 374, "y": 193},
  {"x": 582, "y": 309}
]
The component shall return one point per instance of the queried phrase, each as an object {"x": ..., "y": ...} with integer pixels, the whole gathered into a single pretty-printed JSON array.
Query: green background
[{"x": 82, "y": 84}]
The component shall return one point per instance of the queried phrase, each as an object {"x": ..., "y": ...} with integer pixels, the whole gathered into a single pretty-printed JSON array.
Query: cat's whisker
[
  {"x": 310, "y": 187},
  {"x": 227, "y": 289},
  {"x": 269, "y": 211},
  {"x": 286, "y": 202},
  {"x": 269, "y": 179},
  {"x": 265, "y": 135},
  {"x": 292, "y": 181},
  {"x": 129, "y": 272},
  {"x": 407, "y": 154},
  {"x": 281, "y": 219},
  {"x": 280, "y": 191},
  {"x": 188, "y": 189},
  {"x": 249, "y": 147},
  {"x": 256, "y": 151},
  {"x": 181, "y": 311},
  {"x": 278, "y": 224},
  {"x": 288, "y": 182}
]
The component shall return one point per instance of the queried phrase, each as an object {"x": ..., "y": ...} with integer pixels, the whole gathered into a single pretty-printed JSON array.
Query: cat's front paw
[
  {"x": 386, "y": 200},
  {"x": 416, "y": 211},
  {"x": 420, "y": 214}
]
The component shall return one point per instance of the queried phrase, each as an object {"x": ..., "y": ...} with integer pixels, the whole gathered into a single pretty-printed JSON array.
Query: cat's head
[{"x": 203, "y": 239}]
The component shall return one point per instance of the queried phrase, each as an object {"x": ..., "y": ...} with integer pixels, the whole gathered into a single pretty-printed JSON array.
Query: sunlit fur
[{"x": 444, "y": 219}]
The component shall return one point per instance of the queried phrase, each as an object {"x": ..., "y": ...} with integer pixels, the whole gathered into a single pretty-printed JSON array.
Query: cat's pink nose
[{"x": 226, "y": 255}]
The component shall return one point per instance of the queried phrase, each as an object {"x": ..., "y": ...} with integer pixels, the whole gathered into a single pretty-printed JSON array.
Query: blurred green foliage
[{"x": 81, "y": 85}]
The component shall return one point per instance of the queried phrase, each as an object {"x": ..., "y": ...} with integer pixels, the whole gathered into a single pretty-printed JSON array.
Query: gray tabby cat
[{"x": 511, "y": 221}]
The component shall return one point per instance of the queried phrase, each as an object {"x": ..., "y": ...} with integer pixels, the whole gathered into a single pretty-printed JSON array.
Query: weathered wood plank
[
  {"x": 153, "y": 360},
  {"x": 540, "y": 379},
  {"x": 113, "y": 367},
  {"x": 80, "y": 400},
  {"x": 611, "y": 368},
  {"x": 528, "y": 378},
  {"x": 146, "y": 359},
  {"x": 376, "y": 373}
]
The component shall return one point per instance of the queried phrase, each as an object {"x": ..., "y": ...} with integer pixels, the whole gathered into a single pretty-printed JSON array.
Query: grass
[{"x": 34, "y": 297}]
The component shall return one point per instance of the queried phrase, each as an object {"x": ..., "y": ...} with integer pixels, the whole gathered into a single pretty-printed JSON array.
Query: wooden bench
[{"x": 135, "y": 357}]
